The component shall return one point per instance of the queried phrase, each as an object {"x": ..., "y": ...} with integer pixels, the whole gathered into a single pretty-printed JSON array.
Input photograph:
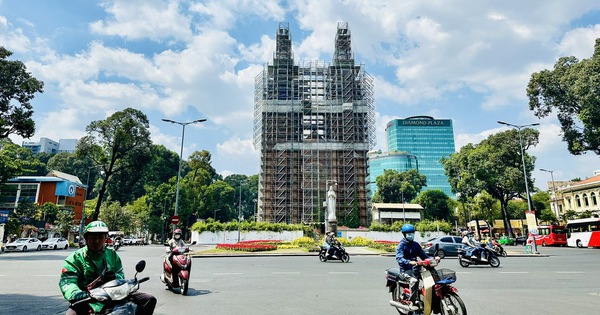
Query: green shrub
[{"x": 211, "y": 225}]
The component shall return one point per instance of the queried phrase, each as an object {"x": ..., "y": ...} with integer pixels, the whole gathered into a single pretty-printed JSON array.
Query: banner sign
[
  {"x": 4, "y": 216},
  {"x": 65, "y": 188}
]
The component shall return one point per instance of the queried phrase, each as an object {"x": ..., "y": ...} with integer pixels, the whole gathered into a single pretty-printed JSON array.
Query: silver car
[
  {"x": 23, "y": 244},
  {"x": 443, "y": 246}
]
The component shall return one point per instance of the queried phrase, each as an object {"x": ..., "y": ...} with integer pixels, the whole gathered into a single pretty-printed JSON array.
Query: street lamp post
[
  {"x": 519, "y": 127},
  {"x": 87, "y": 184},
  {"x": 553, "y": 203},
  {"x": 183, "y": 124},
  {"x": 240, "y": 214}
]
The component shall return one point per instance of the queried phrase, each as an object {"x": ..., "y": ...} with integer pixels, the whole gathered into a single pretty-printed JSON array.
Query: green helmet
[{"x": 95, "y": 227}]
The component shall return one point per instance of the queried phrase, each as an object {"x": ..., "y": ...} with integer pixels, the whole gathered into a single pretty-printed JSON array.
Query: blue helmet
[{"x": 408, "y": 228}]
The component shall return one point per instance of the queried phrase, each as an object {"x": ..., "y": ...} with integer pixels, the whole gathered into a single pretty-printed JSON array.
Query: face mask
[{"x": 410, "y": 236}]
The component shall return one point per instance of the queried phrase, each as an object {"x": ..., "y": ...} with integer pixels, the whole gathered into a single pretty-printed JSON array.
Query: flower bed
[
  {"x": 388, "y": 246},
  {"x": 251, "y": 246}
]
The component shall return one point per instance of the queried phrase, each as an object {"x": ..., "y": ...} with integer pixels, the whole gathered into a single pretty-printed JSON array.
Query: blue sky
[{"x": 467, "y": 60}]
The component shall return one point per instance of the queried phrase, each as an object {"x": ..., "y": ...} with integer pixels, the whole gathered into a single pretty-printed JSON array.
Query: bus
[
  {"x": 583, "y": 232},
  {"x": 549, "y": 235}
]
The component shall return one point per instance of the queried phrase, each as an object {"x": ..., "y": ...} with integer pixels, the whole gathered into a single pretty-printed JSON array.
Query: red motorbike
[{"x": 176, "y": 274}]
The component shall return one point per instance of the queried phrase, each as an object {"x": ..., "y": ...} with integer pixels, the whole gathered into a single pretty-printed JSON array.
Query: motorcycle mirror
[
  {"x": 166, "y": 244},
  {"x": 193, "y": 243},
  {"x": 140, "y": 266}
]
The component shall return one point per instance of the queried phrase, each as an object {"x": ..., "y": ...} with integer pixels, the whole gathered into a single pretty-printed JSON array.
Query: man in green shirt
[{"x": 90, "y": 267}]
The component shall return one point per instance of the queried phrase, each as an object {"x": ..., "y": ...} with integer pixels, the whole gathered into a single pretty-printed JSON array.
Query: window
[
  {"x": 585, "y": 200},
  {"x": 578, "y": 201},
  {"x": 594, "y": 200}
]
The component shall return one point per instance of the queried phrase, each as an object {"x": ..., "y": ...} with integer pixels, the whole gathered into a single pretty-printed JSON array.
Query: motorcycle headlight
[{"x": 116, "y": 293}]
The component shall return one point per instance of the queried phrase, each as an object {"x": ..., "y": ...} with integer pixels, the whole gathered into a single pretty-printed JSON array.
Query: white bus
[{"x": 583, "y": 232}]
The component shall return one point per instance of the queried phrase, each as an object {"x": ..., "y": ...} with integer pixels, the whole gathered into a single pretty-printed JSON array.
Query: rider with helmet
[
  {"x": 174, "y": 242},
  {"x": 407, "y": 252},
  {"x": 93, "y": 265},
  {"x": 474, "y": 247}
]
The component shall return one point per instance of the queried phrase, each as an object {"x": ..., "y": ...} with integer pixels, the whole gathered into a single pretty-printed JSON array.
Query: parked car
[
  {"x": 521, "y": 239},
  {"x": 506, "y": 240},
  {"x": 443, "y": 246},
  {"x": 130, "y": 240},
  {"x": 23, "y": 244},
  {"x": 55, "y": 243}
]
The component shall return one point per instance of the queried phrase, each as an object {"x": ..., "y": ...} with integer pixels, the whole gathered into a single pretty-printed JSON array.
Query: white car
[
  {"x": 23, "y": 244},
  {"x": 55, "y": 243}
]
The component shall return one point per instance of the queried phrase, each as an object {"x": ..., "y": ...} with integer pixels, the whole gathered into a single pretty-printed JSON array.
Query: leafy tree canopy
[
  {"x": 120, "y": 143},
  {"x": 395, "y": 187},
  {"x": 571, "y": 89},
  {"x": 17, "y": 89},
  {"x": 436, "y": 205}
]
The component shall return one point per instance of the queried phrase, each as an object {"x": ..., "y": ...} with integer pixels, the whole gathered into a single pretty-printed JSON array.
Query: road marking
[
  {"x": 569, "y": 271},
  {"x": 343, "y": 272},
  {"x": 514, "y": 272},
  {"x": 285, "y": 273},
  {"x": 227, "y": 273},
  {"x": 47, "y": 275}
]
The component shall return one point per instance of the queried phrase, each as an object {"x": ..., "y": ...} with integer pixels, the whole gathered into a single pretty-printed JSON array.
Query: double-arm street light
[
  {"x": 519, "y": 127},
  {"x": 553, "y": 203},
  {"x": 183, "y": 124}
]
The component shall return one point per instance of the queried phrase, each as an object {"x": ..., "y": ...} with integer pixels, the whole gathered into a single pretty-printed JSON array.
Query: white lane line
[
  {"x": 227, "y": 273},
  {"x": 514, "y": 272},
  {"x": 569, "y": 271},
  {"x": 285, "y": 273},
  {"x": 343, "y": 272}
]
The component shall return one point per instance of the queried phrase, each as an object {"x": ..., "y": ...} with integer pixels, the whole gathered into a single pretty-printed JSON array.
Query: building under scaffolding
[{"x": 313, "y": 124}]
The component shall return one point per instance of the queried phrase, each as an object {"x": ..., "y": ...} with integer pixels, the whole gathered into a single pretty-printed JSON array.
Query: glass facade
[
  {"x": 379, "y": 162},
  {"x": 429, "y": 140}
]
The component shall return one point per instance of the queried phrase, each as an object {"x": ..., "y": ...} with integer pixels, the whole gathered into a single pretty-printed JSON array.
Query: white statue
[{"x": 331, "y": 205}]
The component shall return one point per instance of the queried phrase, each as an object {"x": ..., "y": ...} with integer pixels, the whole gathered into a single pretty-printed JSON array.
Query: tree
[
  {"x": 120, "y": 143},
  {"x": 49, "y": 212},
  {"x": 572, "y": 90},
  {"x": 117, "y": 218},
  {"x": 548, "y": 216},
  {"x": 64, "y": 220},
  {"x": 10, "y": 165},
  {"x": 436, "y": 205},
  {"x": 395, "y": 187},
  {"x": 494, "y": 165},
  {"x": 17, "y": 89}
]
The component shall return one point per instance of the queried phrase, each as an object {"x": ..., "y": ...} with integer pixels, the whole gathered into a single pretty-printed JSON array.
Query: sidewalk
[{"x": 353, "y": 251}]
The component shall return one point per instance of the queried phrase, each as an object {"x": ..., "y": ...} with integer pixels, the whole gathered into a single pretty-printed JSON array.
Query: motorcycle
[
  {"x": 113, "y": 297},
  {"x": 465, "y": 259},
  {"x": 436, "y": 295},
  {"x": 339, "y": 253},
  {"x": 499, "y": 251},
  {"x": 182, "y": 263}
]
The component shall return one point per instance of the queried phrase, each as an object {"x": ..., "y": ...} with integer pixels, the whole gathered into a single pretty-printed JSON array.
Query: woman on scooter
[
  {"x": 406, "y": 254},
  {"x": 174, "y": 242}
]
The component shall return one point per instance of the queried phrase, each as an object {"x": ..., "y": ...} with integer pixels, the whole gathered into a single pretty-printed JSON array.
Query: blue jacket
[{"x": 407, "y": 251}]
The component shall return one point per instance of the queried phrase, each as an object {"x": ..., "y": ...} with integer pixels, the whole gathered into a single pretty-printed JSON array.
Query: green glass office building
[
  {"x": 381, "y": 161},
  {"x": 429, "y": 140}
]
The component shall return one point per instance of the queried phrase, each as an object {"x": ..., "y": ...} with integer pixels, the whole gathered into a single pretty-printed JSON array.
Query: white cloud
[
  {"x": 140, "y": 19},
  {"x": 238, "y": 156},
  {"x": 579, "y": 42}
]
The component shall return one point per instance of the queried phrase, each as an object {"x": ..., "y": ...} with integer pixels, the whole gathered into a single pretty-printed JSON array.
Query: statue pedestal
[{"x": 332, "y": 227}]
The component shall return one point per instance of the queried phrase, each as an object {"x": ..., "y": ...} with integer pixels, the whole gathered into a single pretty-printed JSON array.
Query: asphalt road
[{"x": 567, "y": 281}]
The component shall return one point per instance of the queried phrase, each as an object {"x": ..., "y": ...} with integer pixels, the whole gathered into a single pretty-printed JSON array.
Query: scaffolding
[{"x": 313, "y": 125}]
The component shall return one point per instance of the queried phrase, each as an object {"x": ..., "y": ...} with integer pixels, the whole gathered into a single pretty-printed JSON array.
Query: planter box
[{"x": 231, "y": 237}]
